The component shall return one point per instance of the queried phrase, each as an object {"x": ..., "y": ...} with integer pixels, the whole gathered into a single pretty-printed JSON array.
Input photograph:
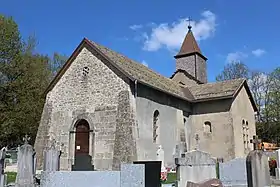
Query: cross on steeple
[
  {"x": 189, "y": 20},
  {"x": 197, "y": 143},
  {"x": 255, "y": 141}
]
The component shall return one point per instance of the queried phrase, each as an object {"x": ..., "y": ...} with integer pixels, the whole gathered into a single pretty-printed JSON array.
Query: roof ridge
[{"x": 223, "y": 81}]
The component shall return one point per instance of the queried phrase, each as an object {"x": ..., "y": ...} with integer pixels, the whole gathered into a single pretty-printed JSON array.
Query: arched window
[
  {"x": 207, "y": 127},
  {"x": 155, "y": 126},
  {"x": 246, "y": 123}
]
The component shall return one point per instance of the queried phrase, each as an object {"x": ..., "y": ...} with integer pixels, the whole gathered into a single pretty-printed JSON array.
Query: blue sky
[{"x": 150, "y": 32}]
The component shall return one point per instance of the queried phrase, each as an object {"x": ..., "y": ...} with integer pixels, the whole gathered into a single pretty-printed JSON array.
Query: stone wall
[
  {"x": 125, "y": 142},
  {"x": 186, "y": 63},
  {"x": 170, "y": 122},
  {"x": 180, "y": 77},
  {"x": 220, "y": 141},
  {"x": 78, "y": 93},
  {"x": 201, "y": 69},
  {"x": 242, "y": 109},
  {"x": 195, "y": 65}
]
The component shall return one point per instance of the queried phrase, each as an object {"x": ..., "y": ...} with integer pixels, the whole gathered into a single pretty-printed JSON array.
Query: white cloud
[
  {"x": 135, "y": 27},
  {"x": 258, "y": 52},
  {"x": 145, "y": 63},
  {"x": 172, "y": 35},
  {"x": 236, "y": 56}
]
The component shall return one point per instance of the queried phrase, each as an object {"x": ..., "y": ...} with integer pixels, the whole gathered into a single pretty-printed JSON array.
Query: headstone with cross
[
  {"x": 257, "y": 167},
  {"x": 26, "y": 169},
  {"x": 255, "y": 141}
]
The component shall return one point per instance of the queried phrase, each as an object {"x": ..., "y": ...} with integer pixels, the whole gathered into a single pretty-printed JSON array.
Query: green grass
[
  {"x": 11, "y": 177},
  {"x": 171, "y": 178}
]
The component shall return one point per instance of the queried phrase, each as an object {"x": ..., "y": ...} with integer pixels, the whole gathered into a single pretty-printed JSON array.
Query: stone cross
[
  {"x": 197, "y": 141},
  {"x": 26, "y": 138},
  {"x": 255, "y": 141}
]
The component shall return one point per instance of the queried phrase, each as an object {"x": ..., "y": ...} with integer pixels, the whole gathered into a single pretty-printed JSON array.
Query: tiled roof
[
  {"x": 216, "y": 90},
  {"x": 142, "y": 73},
  {"x": 145, "y": 75}
]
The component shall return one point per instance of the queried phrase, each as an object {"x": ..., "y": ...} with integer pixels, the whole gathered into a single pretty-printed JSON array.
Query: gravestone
[
  {"x": 152, "y": 172},
  {"x": 233, "y": 173},
  {"x": 207, "y": 183},
  {"x": 132, "y": 175},
  {"x": 80, "y": 178},
  {"x": 26, "y": 171},
  {"x": 257, "y": 167},
  {"x": 277, "y": 170},
  {"x": 195, "y": 166},
  {"x": 51, "y": 158},
  {"x": 160, "y": 157},
  {"x": 2, "y": 166}
]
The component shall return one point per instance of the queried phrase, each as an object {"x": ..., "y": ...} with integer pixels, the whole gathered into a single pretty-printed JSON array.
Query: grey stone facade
[
  {"x": 93, "y": 97},
  {"x": 120, "y": 112},
  {"x": 195, "y": 65}
]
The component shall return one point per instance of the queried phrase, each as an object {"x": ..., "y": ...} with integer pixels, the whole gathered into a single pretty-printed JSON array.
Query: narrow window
[
  {"x": 207, "y": 127},
  {"x": 155, "y": 126}
]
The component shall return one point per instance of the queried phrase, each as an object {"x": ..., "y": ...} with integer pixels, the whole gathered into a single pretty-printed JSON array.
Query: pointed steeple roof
[{"x": 189, "y": 45}]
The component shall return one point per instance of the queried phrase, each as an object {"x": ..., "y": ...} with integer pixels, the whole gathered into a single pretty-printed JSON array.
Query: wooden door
[{"x": 82, "y": 138}]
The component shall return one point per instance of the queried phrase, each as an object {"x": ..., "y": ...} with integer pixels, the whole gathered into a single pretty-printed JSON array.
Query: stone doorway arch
[{"x": 82, "y": 157}]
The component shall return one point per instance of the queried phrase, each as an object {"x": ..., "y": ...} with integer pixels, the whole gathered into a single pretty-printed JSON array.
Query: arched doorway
[
  {"x": 83, "y": 160},
  {"x": 82, "y": 138}
]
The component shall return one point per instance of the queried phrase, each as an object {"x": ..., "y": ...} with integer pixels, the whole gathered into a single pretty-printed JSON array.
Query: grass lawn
[
  {"x": 11, "y": 177},
  {"x": 171, "y": 178}
]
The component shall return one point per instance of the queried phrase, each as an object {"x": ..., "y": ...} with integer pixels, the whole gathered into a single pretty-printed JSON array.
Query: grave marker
[
  {"x": 2, "y": 166},
  {"x": 233, "y": 172},
  {"x": 196, "y": 166},
  {"x": 257, "y": 167},
  {"x": 26, "y": 171},
  {"x": 51, "y": 158}
]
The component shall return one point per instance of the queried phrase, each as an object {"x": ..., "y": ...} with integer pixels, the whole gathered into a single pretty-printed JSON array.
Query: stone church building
[{"x": 103, "y": 108}]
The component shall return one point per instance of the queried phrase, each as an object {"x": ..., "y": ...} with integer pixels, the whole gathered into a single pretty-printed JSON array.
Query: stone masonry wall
[
  {"x": 43, "y": 133},
  {"x": 186, "y": 63},
  {"x": 77, "y": 93},
  {"x": 194, "y": 65},
  {"x": 220, "y": 141},
  {"x": 181, "y": 77},
  {"x": 242, "y": 109},
  {"x": 201, "y": 69},
  {"x": 125, "y": 142},
  {"x": 104, "y": 137}
]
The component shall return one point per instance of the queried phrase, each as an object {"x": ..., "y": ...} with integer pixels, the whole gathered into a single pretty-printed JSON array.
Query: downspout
[
  {"x": 135, "y": 89},
  {"x": 135, "y": 97}
]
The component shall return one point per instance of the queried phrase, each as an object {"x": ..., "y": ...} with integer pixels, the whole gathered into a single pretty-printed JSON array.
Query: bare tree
[{"x": 234, "y": 70}]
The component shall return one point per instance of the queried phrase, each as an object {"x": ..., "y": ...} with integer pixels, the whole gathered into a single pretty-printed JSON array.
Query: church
[{"x": 103, "y": 109}]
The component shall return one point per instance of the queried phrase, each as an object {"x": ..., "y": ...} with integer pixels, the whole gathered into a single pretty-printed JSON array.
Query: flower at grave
[
  {"x": 272, "y": 163},
  {"x": 272, "y": 166},
  {"x": 163, "y": 176}
]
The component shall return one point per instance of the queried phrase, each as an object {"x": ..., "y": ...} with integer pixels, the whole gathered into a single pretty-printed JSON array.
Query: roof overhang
[{"x": 189, "y": 54}]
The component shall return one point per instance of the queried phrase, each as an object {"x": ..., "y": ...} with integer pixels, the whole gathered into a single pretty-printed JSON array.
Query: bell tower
[{"x": 190, "y": 58}]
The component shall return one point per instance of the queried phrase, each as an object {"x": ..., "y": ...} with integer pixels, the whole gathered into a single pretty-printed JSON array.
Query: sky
[{"x": 151, "y": 32}]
